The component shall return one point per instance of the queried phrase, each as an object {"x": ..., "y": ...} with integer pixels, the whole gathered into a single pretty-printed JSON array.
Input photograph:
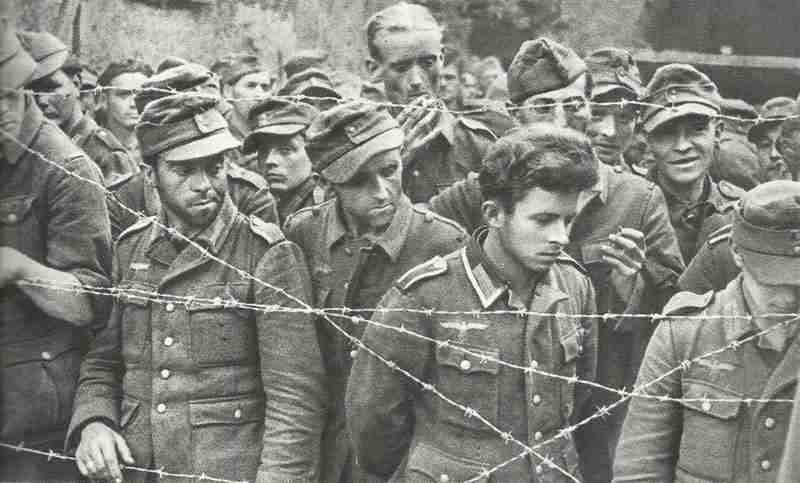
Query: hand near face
[
  {"x": 625, "y": 254},
  {"x": 422, "y": 121}
]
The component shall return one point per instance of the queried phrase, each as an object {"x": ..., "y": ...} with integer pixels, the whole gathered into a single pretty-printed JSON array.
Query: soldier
[
  {"x": 450, "y": 88},
  {"x": 621, "y": 234},
  {"x": 359, "y": 243},
  {"x": 682, "y": 128},
  {"x": 713, "y": 266},
  {"x": 248, "y": 190},
  {"x": 279, "y": 138},
  {"x": 765, "y": 135},
  {"x": 615, "y": 81},
  {"x": 789, "y": 145},
  {"x": 708, "y": 431},
  {"x": 314, "y": 87},
  {"x": 60, "y": 102},
  {"x": 531, "y": 182},
  {"x": 736, "y": 159},
  {"x": 209, "y": 387},
  {"x": 119, "y": 83},
  {"x": 405, "y": 48},
  {"x": 306, "y": 59},
  {"x": 88, "y": 84},
  {"x": 244, "y": 80},
  {"x": 53, "y": 228}
]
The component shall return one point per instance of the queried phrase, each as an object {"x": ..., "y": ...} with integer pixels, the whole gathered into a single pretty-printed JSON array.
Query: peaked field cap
[
  {"x": 47, "y": 50},
  {"x": 311, "y": 83},
  {"x": 277, "y": 117},
  {"x": 614, "y": 69},
  {"x": 542, "y": 65},
  {"x": 343, "y": 138},
  {"x": 305, "y": 59},
  {"x": 678, "y": 90},
  {"x": 773, "y": 112},
  {"x": 183, "y": 127},
  {"x": 737, "y": 108},
  {"x": 233, "y": 67},
  {"x": 169, "y": 62},
  {"x": 181, "y": 78},
  {"x": 766, "y": 231},
  {"x": 16, "y": 64}
]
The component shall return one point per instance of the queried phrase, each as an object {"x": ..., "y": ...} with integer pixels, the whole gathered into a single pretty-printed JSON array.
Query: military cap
[
  {"x": 73, "y": 65},
  {"x": 737, "y": 108},
  {"x": 678, "y": 90},
  {"x": 233, "y": 67},
  {"x": 16, "y": 64},
  {"x": 169, "y": 62},
  {"x": 343, "y": 138},
  {"x": 277, "y": 117},
  {"x": 542, "y": 65},
  {"x": 48, "y": 52},
  {"x": 88, "y": 78},
  {"x": 766, "y": 231},
  {"x": 183, "y": 127},
  {"x": 612, "y": 70},
  {"x": 305, "y": 59},
  {"x": 311, "y": 83},
  {"x": 181, "y": 78},
  {"x": 772, "y": 113}
]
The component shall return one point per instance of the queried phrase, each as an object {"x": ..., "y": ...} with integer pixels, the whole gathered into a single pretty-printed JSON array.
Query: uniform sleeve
[
  {"x": 78, "y": 231},
  {"x": 648, "y": 446},
  {"x": 461, "y": 202},
  {"x": 291, "y": 369},
  {"x": 379, "y": 401}
]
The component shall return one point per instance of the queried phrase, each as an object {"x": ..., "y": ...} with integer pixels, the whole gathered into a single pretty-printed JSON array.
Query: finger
[
  {"x": 97, "y": 463},
  {"x": 423, "y": 125},
  {"x": 618, "y": 255},
  {"x": 619, "y": 266},
  {"x": 109, "y": 451},
  {"x": 632, "y": 233},
  {"x": 82, "y": 467},
  {"x": 631, "y": 248},
  {"x": 123, "y": 449}
]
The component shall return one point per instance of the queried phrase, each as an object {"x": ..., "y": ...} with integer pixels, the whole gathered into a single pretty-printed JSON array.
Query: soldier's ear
[{"x": 493, "y": 213}]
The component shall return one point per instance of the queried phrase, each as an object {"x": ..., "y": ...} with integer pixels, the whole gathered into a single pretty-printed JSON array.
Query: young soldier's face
[
  {"x": 59, "y": 96},
  {"x": 767, "y": 145},
  {"x": 192, "y": 191},
  {"x": 249, "y": 89},
  {"x": 410, "y": 64},
  {"x": 535, "y": 231},
  {"x": 682, "y": 148},
  {"x": 611, "y": 129},
  {"x": 370, "y": 197},
  {"x": 565, "y": 107},
  {"x": 119, "y": 99},
  {"x": 284, "y": 162},
  {"x": 12, "y": 112},
  {"x": 450, "y": 85}
]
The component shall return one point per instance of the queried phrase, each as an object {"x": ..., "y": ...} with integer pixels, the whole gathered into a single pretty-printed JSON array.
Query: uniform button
[
  {"x": 170, "y": 307},
  {"x": 415, "y": 173},
  {"x": 47, "y": 356},
  {"x": 237, "y": 414},
  {"x": 796, "y": 250},
  {"x": 769, "y": 423},
  {"x": 534, "y": 364},
  {"x": 706, "y": 406},
  {"x": 539, "y": 470},
  {"x": 766, "y": 465},
  {"x": 12, "y": 218},
  {"x": 353, "y": 353},
  {"x": 168, "y": 341},
  {"x": 161, "y": 408},
  {"x": 537, "y": 436},
  {"x": 445, "y": 478},
  {"x": 165, "y": 373},
  {"x": 465, "y": 365},
  {"x": 537, "y": 399}
]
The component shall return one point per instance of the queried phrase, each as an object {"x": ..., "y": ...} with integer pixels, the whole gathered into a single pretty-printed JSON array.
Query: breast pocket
[
  {"x": 221, "y": 333},
  {"x": 134, "y": 303},
  {"x": 19, "y": 225},
  {"x": 432, "y": 465},
  {"x": 470, "y": 380},
  {"x": 710, "y": 427}
]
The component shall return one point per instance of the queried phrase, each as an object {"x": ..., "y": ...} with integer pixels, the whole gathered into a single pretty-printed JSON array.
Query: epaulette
[
  {"x": 107, "y": 139},
  {"x": 563, "y": 257},
  {"x": 432, "y": 268},
  {"x": 730, "y": 191},
  {"x": 238, "y": 172},
  {"x": 140, "y": 225},
  {"x": 684, "y": 303},
  {"x": 430, "y": 216},
  {"x": 720, "y": 235},
  {"x": 268, "y": 231}
]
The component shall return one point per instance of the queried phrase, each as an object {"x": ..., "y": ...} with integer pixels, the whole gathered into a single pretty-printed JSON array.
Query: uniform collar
[
  {"x": 488, "y": 282},
  {"x": 211, "y": 237},
  {"x": 391, "y": 241},
  {"x": 31, "y": 123},
  {"x": 293, "y": 200},
  {"x": 76, "y": 122},
  {"x": 599, "y": 189}
]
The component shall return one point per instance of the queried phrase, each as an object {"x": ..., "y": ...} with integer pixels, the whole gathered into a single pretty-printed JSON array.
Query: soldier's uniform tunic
[{"x": 104, "y": 149}]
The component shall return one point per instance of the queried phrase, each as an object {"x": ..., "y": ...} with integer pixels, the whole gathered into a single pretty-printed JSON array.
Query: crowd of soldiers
[{"x": 449, "y": 273}]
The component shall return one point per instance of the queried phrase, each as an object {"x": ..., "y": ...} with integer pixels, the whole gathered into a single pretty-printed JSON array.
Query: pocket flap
[
  {"x": 14, "y": 209},
  {"x": 571, "y": 347},
  {"x": 218, "y": 296},
  {"x": 479, "y": 359},
  {"x": 127, "y": 410},
  {"x": 227, "y": 411},
  {"x": 136, "y": 293},
  {"x": 440, "y": 466},
  {"x": 703, "y": 396}
]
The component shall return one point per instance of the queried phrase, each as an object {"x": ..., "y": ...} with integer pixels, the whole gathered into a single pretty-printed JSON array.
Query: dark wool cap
[
  {"x": 542, "y": 65},
  {"x": 612, "y": 70}
]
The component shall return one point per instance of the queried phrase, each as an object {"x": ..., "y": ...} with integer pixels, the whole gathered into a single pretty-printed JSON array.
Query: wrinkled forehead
[
  {"x": 128, "y": 80},
  {"x": 576, "y": 89},
  {"x": 397, "y": 45}
]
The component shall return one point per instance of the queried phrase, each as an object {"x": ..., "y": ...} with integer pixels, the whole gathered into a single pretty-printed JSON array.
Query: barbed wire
[{"x": 490, "y": 106}]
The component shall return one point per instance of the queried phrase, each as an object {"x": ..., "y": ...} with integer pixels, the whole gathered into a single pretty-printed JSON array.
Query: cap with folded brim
[
  {"x": 344, "y": 168},
  {"x": 600, "y": 90},
  {"x": 771, "y": 256},
  {"x": 16, "y": 65},
  {"x": 50, "y": 64},
  {"x": 773, "y": 113},
  {"x": 667, "y": 114},
  {"x": 250, "y": 144},
  {"x": 203, "y": 147},
  {"x": 757, "y": 130}
]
